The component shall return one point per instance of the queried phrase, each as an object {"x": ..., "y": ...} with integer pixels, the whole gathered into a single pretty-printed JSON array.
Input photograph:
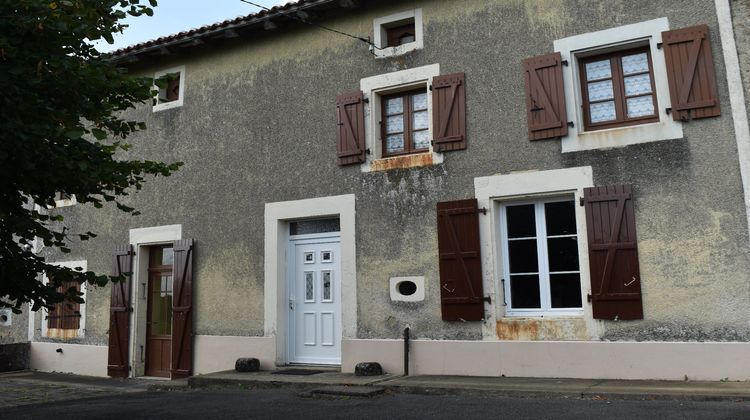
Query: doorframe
[
  {"x": 141, "y": 239},
  {"x": 312, "y": 239},
  {"x": 276, "y": 219}
]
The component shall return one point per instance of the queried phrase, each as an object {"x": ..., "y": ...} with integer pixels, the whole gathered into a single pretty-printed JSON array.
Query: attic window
[
  {"x": 398, "y": 34},
  {"x": 169, "y": 88},
  {"x": 402, "y": 34}
]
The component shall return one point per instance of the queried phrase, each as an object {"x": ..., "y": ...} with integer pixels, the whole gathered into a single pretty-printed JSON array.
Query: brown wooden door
[{"x": 159, "y": 330}]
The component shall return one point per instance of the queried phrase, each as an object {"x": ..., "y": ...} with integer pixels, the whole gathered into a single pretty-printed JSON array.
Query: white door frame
[
  {"x": 277, "y": 217},
  {"x": 312, "y": 239}
]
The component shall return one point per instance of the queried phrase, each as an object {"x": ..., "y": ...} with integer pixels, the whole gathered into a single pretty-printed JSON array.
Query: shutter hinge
[
  {"x": 659, "y": 45},
  {"x": 366, "y": 100},
  {"x": 571, "y": 124},
  {"x": 564, "y": 62},
  {"x": 589, "y": 297},
  {"x": 668, "y": 110},
  {"x": 367, "y": 151},
  {"x": 488, "y": 299},
  {"x": 581, "y": 202},
  {"x": 483, "y": 210},
  {"x": 430, "y": 88}
]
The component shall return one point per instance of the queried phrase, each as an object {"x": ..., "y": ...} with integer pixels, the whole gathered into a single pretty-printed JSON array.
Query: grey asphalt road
[{"x": 282, "y": 404}]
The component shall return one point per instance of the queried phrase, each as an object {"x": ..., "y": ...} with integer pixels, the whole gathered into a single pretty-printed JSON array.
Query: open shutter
[
  {"x": 182, "y": 310},
  {"x": 690, "y": 70},
  {"x": 545, "y": 97},
  {"x": 461, "y": 292},
  {"x": 613, "y": 253},
  {"x": 350, "y": 135},
  {"x": 119, "y": 313},
  {"x": 449, "y": 112}
]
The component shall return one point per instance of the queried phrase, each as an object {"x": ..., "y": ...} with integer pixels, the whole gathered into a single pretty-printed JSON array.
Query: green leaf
[
  {"x": 99, "y": 134},
  {"x": 75, "y": 133}
]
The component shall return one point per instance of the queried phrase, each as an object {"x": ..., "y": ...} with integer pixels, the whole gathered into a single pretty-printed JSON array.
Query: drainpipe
[{"x": 406, "y": 351}]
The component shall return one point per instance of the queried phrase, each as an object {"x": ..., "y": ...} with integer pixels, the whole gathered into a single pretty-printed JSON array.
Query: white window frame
[
  {"x": 542, "y": 259},
  {"x": 374, "y": 88},
  {"x": 379, "y": 26},
  {"x": 65, "y": 202},
  {"x": 620, "y": 38},
  {"x": 81, "y": 308},
  {"x": 173, "y": 104}
]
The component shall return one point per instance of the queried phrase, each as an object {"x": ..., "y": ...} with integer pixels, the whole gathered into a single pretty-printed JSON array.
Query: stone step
[{"x": 346, "y": 391}]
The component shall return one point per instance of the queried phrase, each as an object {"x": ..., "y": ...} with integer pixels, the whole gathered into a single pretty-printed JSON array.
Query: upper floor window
[
  {"x": 398, "y": 34},
  {"x": 402, "y": 34},
  {"x": 169, "y": 86},
  {"x": 405, "y": 123},
  {"x": 618, "y": 89}
]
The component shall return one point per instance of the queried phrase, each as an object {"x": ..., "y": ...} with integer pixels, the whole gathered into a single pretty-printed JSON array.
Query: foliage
[{"x": 61, "y": 129}]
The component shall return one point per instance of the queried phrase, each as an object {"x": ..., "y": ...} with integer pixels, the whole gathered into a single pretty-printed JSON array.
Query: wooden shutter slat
[
  {"x": 461, "y": 292},
  {"x": 449, "y": 112},
  {"x": 613, "y": 253},
  {"x": 545, "y": 97},
  {"x": 350, "y": 134},
  {"x": 182, "y": 310},
  {"x": 690, "y": 73},
  {"x": 119, "y": 315}
]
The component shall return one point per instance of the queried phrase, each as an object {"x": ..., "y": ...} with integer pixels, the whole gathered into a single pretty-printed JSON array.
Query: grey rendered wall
[{"x": 258, "y": 126}]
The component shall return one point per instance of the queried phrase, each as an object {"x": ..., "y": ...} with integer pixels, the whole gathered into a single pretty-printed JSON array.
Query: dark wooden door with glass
[{"x": 159, "y": 330}]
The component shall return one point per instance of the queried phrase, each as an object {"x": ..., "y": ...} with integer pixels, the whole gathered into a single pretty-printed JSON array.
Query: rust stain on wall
[
  {"x": 402, "y": 162},
  {"x": 532, "y": 329},
  {"x": 524, "y": 329}
]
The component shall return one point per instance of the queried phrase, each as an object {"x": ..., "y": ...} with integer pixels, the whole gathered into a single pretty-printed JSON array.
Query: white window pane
[
  {"x": 309, "y": 286},
  {"x": 394, "y": 105},
  {"x": 419, "y": 120},
  {"x": 603, "y": 111},
  {"x": 601, "y": 90},
  {"x": 394, "y": 124},
  {"x": 640, "y": 106},
  {"x": 598, "y": 70},
  {"x": 419, "y": 101},
  {"x": 636, "y": 63},
  {"x": 637, "y": 85},
  {"x": 421, "y": 139},
  {"x": 394, "y": 143}
]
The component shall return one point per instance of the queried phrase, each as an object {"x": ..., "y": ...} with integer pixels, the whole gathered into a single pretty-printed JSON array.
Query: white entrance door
[{"x": 315, "y": 299}]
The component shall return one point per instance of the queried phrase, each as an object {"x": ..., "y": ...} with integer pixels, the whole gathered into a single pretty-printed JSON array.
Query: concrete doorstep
[{"x": 346, "y": 384}]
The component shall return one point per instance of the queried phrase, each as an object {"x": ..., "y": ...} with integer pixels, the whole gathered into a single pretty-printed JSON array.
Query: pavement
[
  {"x": 28, "y": 387},
  {"x": 328, "y": 382}
]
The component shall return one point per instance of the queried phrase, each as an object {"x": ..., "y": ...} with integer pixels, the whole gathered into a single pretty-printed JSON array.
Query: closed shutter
[
  {"x": 690, "y": 70},
  {"x": 182, "y": 310},
  {"x": 449, "y": 112},
  {"x": 613, "y": 253},
  {"x": 65, "y": 315},
  {"x": 350, "y": 135},
  {"x": 545, "y": 97},
  {"x": 461, "y": 292},
  {"x": 119, "y": 313}
]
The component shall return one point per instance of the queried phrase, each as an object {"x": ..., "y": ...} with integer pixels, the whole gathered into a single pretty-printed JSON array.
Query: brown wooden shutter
[
  {"x": 449, "y": 112},
  {"x": 461, "y": 292},
  {"x": 613, "y": 253},
  {"x": 65, "y": 315},
  {"x": 690, "y": 70},
  {"x": 545, "y": 97},
  {"x": 350, "y": 135},
  {"x": 119, "y": 313},
  {"x": 182, "y": 310}
]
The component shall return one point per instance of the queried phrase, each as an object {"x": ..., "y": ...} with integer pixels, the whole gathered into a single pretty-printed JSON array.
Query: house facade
[{"x": 547, "y": 188}]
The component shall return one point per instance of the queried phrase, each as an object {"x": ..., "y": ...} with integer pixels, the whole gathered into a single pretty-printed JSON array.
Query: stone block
[
  {"x": 368, "y": 369},
  {"x": 247, "y": 364}
]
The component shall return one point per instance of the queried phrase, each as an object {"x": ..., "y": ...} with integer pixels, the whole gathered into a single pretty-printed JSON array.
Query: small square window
[
  {"x": 326, "y": 256},
  {"x": 398, "y": 34},
  {"x": 309, "y": 257},
  {"x": 405, "y": 123},
  {"x": 618, "y": 89},
  {"x": 169, "y": 88}
]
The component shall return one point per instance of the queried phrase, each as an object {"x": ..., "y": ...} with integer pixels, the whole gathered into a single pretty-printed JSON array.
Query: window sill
[
  {"x": 538, "y": 315},
  {"x": 388, "y": 52},
  {"x": 402, "y": 162},
  {"x": 666, "y": 129}
]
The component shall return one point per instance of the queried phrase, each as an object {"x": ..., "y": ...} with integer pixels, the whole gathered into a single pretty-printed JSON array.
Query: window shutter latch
[
  {"x": 571, "y": 124},
  {"x": 581, "y": 202},
  {"x": 488, "y": 299},
  {"x": 483, "y": 210}
]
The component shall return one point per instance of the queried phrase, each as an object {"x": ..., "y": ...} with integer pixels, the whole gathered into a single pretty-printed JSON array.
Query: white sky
[{"x": 172, "y": 16}]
